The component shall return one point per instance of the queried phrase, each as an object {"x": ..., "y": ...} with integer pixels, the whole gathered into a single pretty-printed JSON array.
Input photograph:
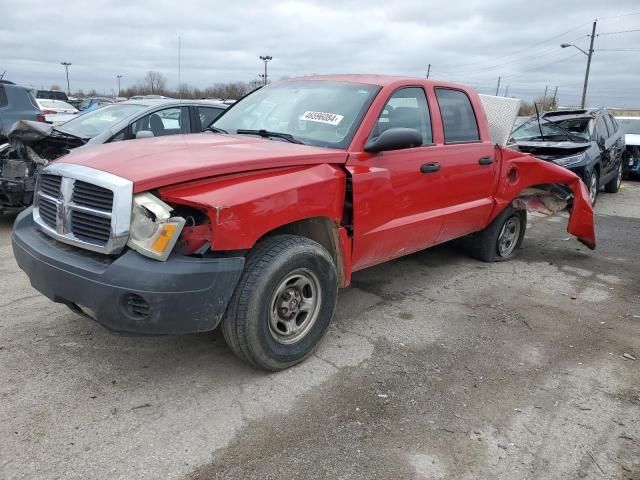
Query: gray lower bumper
[{"x": 130, "y": 293}]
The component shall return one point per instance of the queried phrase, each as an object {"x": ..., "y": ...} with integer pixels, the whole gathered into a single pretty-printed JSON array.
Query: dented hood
[{"x": 162, "y": 161}]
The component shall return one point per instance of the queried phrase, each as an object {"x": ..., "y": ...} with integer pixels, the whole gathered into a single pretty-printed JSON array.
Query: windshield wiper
[
  {"x": 266, "y": 134},
  {"x": 211, "y": 128}
]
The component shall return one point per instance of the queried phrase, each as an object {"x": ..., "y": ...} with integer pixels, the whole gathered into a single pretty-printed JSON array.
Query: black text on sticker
[{"x": 322, "y": 117}]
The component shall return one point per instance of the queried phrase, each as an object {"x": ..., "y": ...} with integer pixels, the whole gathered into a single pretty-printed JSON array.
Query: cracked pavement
[{"x": 436, "y": 366}]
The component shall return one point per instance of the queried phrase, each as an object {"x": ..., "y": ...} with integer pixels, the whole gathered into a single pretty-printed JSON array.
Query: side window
[
  {"x": 458, "y": 119},
  {"x": 601, "y": 128},
  {"x": 169, "y": 121},
  {"x": 208, "y": 115},
  {"x": 407, "y": 108},
  {"x": 3, "y": 97},
  {"x": 120, "y": 136}
]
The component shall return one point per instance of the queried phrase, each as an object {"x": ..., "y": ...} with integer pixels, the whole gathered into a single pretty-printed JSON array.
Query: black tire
[
  {"x": 251, "y": 327},
  {"x": 613, "y": 185},
  {"x": 591, "y": 184},
  {"x": 486, "y": 244}
]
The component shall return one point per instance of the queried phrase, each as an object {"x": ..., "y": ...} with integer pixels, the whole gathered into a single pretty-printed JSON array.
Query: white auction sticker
[{"x": 322, "y": 117}]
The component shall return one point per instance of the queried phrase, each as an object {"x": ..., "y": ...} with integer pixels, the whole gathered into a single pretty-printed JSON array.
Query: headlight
[
  {"x": 570, "y": 160},
  {"x": 153, "y": 230}
]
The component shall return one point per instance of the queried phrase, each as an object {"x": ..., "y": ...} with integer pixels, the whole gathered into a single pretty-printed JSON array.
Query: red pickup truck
[{"x": 255, "y": 224}]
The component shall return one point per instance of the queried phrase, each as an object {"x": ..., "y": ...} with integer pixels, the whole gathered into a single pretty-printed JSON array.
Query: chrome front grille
[{"x": 83, "y": 206}]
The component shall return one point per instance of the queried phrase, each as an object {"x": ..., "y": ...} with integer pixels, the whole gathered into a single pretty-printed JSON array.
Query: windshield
[
  {"x": 582, "y": 127},
  {"x": 530, "y": 132},
  {"x": 321, "y": 113},
  {"x": 630, "y": 125},
  {"x": 94, "y": 123}
]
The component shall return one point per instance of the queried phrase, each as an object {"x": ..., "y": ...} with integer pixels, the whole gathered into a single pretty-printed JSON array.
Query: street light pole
[
  {"x": 265, "y": 59},
  {"x": 119, "y": 77},
  {"x": 589, "y": 55},
  {"x": 66, "y": 67}
]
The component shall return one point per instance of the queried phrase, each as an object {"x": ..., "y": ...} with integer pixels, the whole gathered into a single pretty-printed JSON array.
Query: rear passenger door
[
  {"x": 606, "y": 142},
  {"x": 469, "y": 167}
]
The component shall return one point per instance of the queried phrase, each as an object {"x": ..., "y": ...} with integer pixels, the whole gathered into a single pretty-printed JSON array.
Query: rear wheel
[
  {"x": 502, "y": 238},
  {"x": 594, "y": 186},
  {"x": 283, "y": 303},
  {"x": 614, "y": 184}
]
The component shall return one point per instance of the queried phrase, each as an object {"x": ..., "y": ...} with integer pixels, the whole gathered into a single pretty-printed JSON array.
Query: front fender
[
  {"x": 244, "y": 207},
  {"x": 520, "y": 171}
]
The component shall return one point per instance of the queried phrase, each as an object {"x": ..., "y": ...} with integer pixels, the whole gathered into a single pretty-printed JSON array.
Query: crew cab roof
[{"x": 380, "y": 80}]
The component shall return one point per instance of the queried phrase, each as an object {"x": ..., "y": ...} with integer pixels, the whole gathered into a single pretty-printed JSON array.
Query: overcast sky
[{"x": 221, "y": 41}]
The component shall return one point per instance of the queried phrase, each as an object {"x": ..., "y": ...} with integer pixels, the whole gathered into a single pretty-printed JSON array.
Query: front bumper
[{"x": 131, "y": 293}]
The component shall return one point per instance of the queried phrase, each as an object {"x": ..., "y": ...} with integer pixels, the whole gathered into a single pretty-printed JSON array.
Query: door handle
[
  {"x": 430, "y": 167},
  {"x": 485, "y": 161}
]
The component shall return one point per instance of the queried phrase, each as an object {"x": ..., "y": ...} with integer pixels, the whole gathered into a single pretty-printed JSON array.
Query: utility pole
[
  {"x": 586, "y": 75},
  {"x": 66, "y": 67},
  {"x": 265, "y": 59},
  {"x": 506, "y": 91},
  {"x": 589, "y": 54},
  {"x": 428, "y": 70},
  {"x": 118, "y": 77},
  {"x": 498, "y": 87}
]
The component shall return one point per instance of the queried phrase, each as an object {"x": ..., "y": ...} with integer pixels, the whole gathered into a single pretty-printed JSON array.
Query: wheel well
[{"x": 319, "y": 229}]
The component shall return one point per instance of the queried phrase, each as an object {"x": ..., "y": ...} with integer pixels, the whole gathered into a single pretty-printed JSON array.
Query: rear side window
[
  {"x": 458, "y": 119},
  {"x": 208, "y": 115}
]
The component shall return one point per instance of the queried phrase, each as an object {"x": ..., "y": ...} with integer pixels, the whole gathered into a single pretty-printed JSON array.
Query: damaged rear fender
[{"x": 520, "y": 171}]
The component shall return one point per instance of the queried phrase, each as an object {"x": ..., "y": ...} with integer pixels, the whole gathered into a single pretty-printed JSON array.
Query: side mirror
[
  {"x": 144, "y": 134},
  {"x": 394, "y": 139}
]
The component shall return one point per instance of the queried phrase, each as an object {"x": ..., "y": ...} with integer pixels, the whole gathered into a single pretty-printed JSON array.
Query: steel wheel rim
[
  {"x": 294, "y": 306},
  {"x": 508, "y": 238},
  {"x": 593, "y": 187}
]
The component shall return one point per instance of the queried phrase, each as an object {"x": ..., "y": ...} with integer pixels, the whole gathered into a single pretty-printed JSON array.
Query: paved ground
[{"x": 437, "y": 366}]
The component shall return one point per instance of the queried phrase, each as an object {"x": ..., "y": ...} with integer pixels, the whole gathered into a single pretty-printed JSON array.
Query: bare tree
[
  {"x": 155, "y": 82},
  {"x": 55, "y": 86}
]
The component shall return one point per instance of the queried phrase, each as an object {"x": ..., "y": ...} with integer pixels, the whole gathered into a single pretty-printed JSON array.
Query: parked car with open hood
[
  {"x": 56, "y": 111},
  {"x": 631, "y": 157},
  {"x": 33, "y": 145},
  {"x": 257, "y": 223},
  {"x": 587, "y": 142}
]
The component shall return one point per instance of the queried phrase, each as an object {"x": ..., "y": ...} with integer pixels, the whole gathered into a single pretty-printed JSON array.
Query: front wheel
[
  {"x": 614, "y": 184},
  {"x": 283, "y": 303},
  {"x": 502, "y": 238}
]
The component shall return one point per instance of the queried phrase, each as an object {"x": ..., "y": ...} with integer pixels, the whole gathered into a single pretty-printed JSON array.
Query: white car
[
  {"x": 631, "y": 157},
  {"x": 56, "y": 111}
]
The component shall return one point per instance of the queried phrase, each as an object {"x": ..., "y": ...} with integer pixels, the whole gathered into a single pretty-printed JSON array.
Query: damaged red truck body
[{"x": 257, "y": 223}]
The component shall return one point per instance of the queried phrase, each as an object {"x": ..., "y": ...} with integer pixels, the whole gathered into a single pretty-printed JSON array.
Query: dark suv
[
  {"x": 16, "y": 103},
  {"x": 588, "y": 142}
]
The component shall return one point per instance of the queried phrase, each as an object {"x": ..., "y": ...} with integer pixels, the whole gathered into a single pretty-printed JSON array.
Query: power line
[
  {"x": 616, "y": 33},
  {"x": 530, "y": 46},
  {"x": 619, "y": 16},
  {"x": 617, "y": 49}
]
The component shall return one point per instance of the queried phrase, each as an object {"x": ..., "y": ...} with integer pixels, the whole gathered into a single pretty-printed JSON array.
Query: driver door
[{"x": 395, "y": 192}]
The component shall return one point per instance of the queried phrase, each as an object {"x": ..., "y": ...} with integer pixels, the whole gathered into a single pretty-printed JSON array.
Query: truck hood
[{"x": 157, "y": 162}]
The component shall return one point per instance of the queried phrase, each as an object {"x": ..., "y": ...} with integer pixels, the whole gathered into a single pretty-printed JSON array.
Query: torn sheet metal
[{"x": 520, "y": 171}]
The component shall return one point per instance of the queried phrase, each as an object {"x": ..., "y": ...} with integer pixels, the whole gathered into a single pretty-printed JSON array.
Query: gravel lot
[{"x": 437, "y": 366}]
